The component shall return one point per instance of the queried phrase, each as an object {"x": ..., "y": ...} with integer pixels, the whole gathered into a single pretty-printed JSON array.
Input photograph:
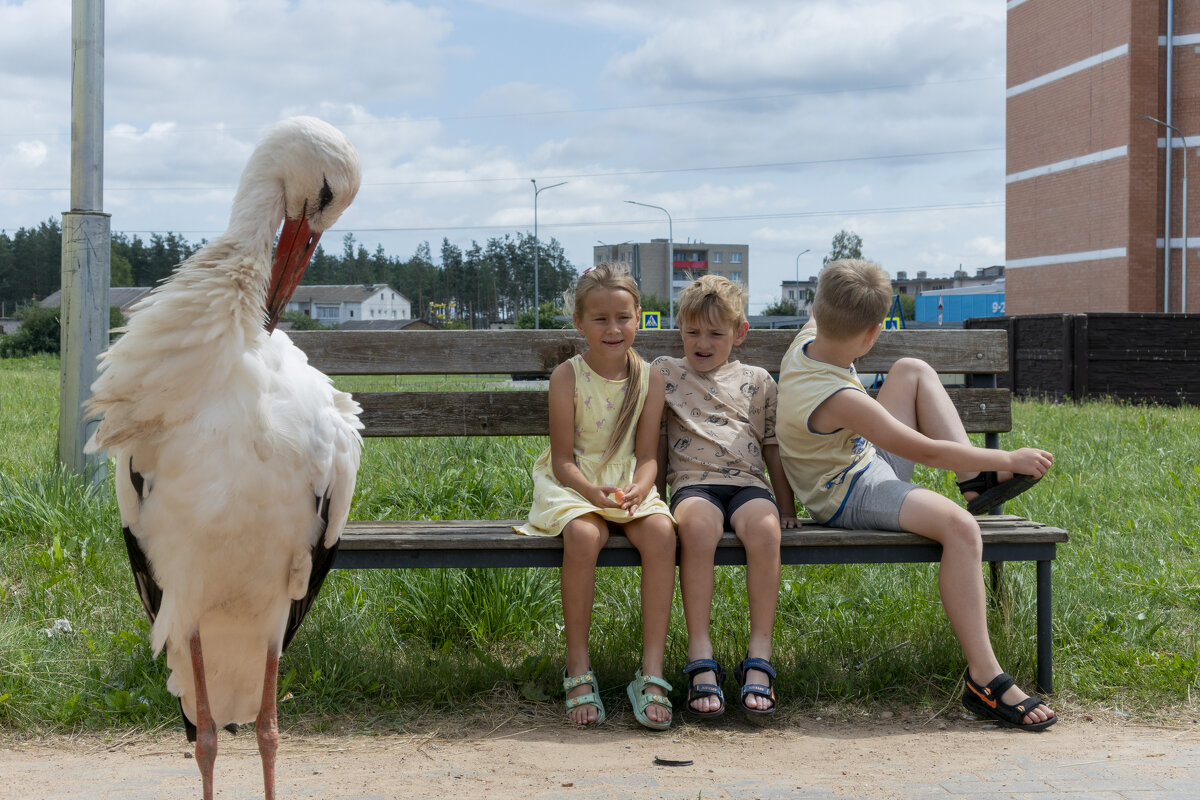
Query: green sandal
[
  {"x": 639, "y": 700},
  {"x": 592, "y": 697}
]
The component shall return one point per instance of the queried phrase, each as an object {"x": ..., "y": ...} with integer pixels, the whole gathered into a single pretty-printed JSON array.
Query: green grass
[{"x": 384, "y": 647}]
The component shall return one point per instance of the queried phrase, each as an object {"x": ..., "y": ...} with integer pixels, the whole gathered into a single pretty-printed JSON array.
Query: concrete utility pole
[{"x": 86, "y": 241}]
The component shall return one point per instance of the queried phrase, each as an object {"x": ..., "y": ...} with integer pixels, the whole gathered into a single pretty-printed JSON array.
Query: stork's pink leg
[
  {"x": 206, "y": 731},
  {"x": 266, "y": 726}
]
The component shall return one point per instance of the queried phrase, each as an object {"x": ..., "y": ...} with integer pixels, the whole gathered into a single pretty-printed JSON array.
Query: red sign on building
[{"x": 691, "y": 264}]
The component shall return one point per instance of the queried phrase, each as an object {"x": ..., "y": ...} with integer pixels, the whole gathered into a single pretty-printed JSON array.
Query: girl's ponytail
[{"x": 627, "y": 415}]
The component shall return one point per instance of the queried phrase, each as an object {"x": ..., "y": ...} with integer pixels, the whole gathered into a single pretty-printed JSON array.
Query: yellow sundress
[{"x": 597, "y": 403}]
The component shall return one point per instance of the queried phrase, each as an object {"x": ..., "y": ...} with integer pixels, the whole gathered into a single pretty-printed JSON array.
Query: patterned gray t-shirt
[{"x": 717, "y": 423}]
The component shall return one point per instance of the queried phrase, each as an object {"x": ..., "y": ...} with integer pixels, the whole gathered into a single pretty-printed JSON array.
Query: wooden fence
[{"x": 1139, "y": 357}]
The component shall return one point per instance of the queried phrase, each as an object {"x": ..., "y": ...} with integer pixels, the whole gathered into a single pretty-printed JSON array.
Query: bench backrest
[{"x": 508, "y": 411}]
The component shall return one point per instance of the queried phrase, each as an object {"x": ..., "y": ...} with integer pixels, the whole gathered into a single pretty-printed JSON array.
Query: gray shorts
[{"x": 876, "y": 495}]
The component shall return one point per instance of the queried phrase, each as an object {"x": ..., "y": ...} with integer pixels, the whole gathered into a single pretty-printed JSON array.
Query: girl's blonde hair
[
  {"x": 852, "y": 295},
  {"x": 614, "y": 276}
]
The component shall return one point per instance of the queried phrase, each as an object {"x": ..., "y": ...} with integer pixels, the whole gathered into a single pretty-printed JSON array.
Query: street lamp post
[
  {"x": 537, "y": 299},
  {"x": 1167, "y": 240},
  {"x": 797, "y": 301},
  {"x": 670, "y": 260}
]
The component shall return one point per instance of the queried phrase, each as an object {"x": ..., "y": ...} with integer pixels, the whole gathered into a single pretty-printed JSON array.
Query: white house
[{"x": 333, "y": 305}]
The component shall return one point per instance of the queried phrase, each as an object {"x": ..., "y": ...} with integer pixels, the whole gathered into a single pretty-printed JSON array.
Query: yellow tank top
[{"x": 821, "y": 467}]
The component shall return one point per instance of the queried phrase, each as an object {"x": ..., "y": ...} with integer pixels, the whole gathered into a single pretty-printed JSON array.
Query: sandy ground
[{"x": 882, "y": 756}]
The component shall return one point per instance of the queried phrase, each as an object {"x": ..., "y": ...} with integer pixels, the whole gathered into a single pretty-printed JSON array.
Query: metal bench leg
[{"x": 1045, "y": 664}]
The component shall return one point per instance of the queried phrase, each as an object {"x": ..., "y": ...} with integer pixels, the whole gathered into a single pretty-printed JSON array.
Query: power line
[
  {"x": 591, "y": 110},
  {"x": 567, "y": 176},
  {"x": 614, "y": 223}
]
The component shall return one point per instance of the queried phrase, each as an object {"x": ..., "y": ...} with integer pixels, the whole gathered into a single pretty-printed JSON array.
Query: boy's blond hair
[
  {"x": 852, "y": 296},
  {"x": 713, "y": 298}
]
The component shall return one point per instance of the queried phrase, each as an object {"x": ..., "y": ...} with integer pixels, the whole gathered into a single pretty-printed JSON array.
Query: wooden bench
[{"x": 978, "y": 355}]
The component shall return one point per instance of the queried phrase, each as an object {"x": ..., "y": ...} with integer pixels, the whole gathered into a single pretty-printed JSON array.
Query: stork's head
[{"x": 318, "y": 171}]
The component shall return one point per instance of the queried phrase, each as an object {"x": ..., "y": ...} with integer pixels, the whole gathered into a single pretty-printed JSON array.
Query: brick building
[{"x": 1086, "y": 175}]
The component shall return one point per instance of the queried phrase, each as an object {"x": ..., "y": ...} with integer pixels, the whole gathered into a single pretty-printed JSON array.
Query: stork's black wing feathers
[
  {"x": 143, "y": 577},
  {"x": 322, "y": 560}
]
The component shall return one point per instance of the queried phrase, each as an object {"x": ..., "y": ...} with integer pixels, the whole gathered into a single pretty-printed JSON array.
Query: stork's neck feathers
[{"x": 258, "y": 209}]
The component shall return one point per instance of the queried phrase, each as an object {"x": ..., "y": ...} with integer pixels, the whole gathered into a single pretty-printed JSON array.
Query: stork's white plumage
[{"x": 235, "y": 460}]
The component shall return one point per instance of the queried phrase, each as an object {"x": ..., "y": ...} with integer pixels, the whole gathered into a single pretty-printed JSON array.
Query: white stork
[{"x": 235, "y": 460}]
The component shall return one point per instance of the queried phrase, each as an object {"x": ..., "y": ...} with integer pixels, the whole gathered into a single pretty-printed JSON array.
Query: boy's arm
[
  {"x": 663, "y": 454},
  {"x": 783, "y": 490},
  {"x": 864, "y": 415}
]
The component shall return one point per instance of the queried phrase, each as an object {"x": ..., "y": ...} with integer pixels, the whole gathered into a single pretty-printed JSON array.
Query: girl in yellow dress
[{"x": 600, "y": 470}]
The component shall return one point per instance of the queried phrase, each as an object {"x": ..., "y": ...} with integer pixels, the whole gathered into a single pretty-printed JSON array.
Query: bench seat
[{"x": 968, "y": 360}]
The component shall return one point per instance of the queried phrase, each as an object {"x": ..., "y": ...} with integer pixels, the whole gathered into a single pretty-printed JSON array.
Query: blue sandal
[
  {"x": 639, "y": 700},
  {"x": 767, "y": 691},
  {"x": 697, "y": 691},
  {"x": 592, "y": 697}
]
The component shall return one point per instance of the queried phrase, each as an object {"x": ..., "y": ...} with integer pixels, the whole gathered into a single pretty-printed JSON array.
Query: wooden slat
[
  {"x": 526, "y": 413},
  {"x": 538, "y": 352},
  {"x": 377, "y": 535}
]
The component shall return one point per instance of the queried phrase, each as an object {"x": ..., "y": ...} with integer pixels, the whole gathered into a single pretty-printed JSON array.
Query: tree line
[{"x": 468, "y": 288}]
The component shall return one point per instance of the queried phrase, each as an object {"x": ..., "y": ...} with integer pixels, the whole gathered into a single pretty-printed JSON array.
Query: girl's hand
[
  {"x": 1031, "y": 461},
  {"x": 788, "y": 522},
  {"x": 629, "y": 497},
  {"x": 602, "y": 496}
]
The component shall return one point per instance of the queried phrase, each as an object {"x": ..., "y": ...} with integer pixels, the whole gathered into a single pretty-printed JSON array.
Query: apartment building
[{"x": 647, "y": 261}]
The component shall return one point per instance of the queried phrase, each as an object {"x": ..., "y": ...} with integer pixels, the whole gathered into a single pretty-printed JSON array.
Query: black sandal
[
  {"x": 767, "y": 691},
  {"x": 992, "y": 491},
  {"x": 697, "y": 691},
  {"x": 984, "y": 701}
]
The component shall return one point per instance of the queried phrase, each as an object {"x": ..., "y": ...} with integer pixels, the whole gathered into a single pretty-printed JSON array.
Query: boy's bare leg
[
  {"x": 583, "y": 537},
  {"x": 960, "y": 583},
  {"x": 654, "y": 537},
  {"x": 757, "y": 526},
  {"x": 913, "y": 393},
  {"x": 701, "y": 525}
]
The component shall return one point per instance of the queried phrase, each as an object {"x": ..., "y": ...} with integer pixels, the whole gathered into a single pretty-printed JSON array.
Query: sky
[{"x": 771, "y": 123}]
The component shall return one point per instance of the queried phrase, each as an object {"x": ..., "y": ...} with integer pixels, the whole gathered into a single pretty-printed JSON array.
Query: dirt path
[{"x": 807, "y": 758}]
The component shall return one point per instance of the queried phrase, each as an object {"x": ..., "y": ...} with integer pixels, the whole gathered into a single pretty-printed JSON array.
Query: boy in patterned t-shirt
[{"x": 718, "y": 435}]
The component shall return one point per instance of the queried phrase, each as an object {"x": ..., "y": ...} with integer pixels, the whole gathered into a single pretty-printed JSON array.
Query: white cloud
[{"x": 766, "y": 122}]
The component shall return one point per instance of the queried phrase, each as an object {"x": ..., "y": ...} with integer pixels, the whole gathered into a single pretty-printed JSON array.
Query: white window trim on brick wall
[
  {"x": 1177, "y": 242},
  {"x": 1070, "y": 69},
  {"x": 1070, "y": 163},
  {"x": 1181, "y": 40},
  {"x": 1065, "y": 258},
  {"x": 1176, "y": 142}
]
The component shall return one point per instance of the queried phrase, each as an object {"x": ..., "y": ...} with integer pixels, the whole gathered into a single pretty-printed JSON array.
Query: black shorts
[{"x": 727, "y": 498}]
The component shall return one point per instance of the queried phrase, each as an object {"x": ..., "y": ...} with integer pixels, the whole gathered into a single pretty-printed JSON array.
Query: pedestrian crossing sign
[
  {"x": 651, "y": 320},
  {"x": 894, "y": 321}
]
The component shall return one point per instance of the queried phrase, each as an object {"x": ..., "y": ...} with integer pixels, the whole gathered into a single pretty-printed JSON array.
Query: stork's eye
[{"x": 326, "y": 196}]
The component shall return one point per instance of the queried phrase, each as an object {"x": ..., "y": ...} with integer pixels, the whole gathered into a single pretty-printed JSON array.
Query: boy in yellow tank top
[{"x": 849, "y": 457}]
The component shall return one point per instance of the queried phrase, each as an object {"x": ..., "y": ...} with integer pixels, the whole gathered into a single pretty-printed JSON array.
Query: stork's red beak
[{"x": 296, "y": 245}]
